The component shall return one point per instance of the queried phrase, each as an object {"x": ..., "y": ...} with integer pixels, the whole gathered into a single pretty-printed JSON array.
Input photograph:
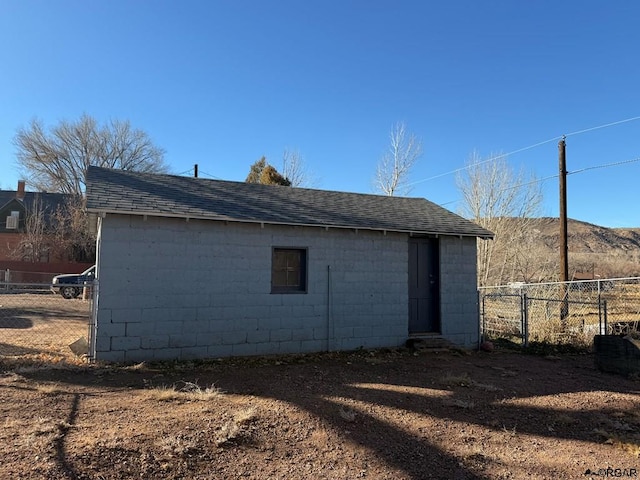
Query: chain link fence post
[
  {"x": 525, "y": 319},
  {"x": 93, "y": 321}
]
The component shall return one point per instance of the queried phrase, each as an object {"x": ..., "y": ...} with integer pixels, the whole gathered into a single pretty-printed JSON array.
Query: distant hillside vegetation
[{"x": 599, "y": 251}]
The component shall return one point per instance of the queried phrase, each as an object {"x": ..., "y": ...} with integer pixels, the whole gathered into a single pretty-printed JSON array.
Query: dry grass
[
  {"x": 562, "y": 419},
  {"x": 460, "y": 403},
  {"x": 620, "y": 429},
  {"x": 462, "y": 380},
  {"x": 347, "y": 414},
  {"x": 502, "y": 315},
  {"x": 136, "y": 367},
  {"x": 42, "y": 426},
  {"x": 626, "y": 442},
  {"x": 235, "y": 427},
  {"x": 50, "y": 389},
  {"x": 334, "y": 417},
  {"x": 51, "y": 325},
  {"x": 465, "y": 380},
  {"x": 487, "y": 387},
  {"x": 177, "y": 445},
  {"x": 183, "y": 391}
]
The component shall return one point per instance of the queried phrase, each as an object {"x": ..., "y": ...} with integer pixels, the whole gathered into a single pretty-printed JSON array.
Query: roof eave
[{"x": 104, "y": 212}]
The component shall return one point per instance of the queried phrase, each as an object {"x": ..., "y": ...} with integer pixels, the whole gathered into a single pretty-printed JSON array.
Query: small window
[
  {"x": 289, "y": 270},
  {"x": 12, "y": 223}
]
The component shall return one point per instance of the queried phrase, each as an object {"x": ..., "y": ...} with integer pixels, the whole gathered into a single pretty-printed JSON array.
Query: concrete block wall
[
  {"x": 458, "y": 290},
  {"x": 171, "y": 288}
]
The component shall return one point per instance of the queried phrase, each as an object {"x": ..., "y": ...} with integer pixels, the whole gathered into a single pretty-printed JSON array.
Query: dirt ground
[
  {"x": 41, "y": 323},
  {"x": 379, "y": 415}
]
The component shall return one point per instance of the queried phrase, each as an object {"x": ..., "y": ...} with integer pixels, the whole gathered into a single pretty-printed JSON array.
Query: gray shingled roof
[
  {"x": 118, "y": 191},
  {"x": 51, "y": 202}
]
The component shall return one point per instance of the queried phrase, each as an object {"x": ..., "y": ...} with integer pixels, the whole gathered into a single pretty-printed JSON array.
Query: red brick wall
[
  {"x": 25, "y": 272},
  {"x": 8, "y": 243}
]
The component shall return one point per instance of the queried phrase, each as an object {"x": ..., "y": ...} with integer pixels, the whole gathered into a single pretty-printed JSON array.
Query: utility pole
[
  {"x": 564, "y": 243},
  {"x": 195, "y": 170}
]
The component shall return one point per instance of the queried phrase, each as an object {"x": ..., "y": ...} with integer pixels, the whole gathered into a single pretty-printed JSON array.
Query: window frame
[{"x": 302, "y": 287}]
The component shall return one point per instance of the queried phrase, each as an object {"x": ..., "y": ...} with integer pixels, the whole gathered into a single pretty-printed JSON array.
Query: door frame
[{"x": 429, "y": 290}]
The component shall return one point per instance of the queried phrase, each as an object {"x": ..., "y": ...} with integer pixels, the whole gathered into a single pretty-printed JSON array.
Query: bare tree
[
  {"x": 74, "y": 239},
  {"x": 295, "y": 170},
  {"x": 33, "y": 245},
  {"x": 394, "y": 168},
  {"x": 503, "y": 201},
  {"x": 530, "y": 260},
  {"x": 57, "y": 159}
]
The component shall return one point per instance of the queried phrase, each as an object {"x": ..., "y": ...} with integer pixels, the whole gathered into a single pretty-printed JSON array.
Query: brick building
[
  {"x": 28, "y": 253},
  {"x": 15, "y": 208},
  {"x": 196, "y": 268}
]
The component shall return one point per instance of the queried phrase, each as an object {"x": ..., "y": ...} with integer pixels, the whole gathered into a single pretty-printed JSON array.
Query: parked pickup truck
[{"x": 71, "y": 285}]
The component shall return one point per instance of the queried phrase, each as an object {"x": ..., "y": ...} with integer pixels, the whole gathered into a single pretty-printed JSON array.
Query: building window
[
  {"x": 289, "y": 270},
  {"x": 13, "y": 221}
]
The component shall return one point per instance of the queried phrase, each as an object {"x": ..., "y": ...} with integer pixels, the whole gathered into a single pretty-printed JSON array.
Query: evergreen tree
[
  {"x": 270, "y": 176},
  {"x": 262, "y": 172},
  {"x": 256, "y": 171}
]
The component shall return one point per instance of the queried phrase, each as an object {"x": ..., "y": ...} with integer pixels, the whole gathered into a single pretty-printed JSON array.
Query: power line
[
  {"x": 604, "y": 126},
  {"x": 209, "y": 175},
  {"x": 537, "y": 180},
  {"x": 578, "y": 132},
  {"x": 191, "y": 170},
  {"x": 486, "y": 160},
  {"x": 544, "y": 179},
  {"x": 606, "y": 165}
]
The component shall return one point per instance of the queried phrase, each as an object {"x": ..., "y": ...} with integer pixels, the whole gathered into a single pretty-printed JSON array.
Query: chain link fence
[
  {"x": 37, "y": 280},
  {"x": 561, "y": 313},
  {"x": 38, "y": 323}
]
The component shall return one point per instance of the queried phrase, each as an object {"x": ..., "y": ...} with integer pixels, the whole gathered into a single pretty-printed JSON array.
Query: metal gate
[{"x": 549, "y": 313}]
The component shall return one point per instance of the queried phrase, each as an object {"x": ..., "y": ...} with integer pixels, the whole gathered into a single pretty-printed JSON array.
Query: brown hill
[{"x": 599, "y": 251}]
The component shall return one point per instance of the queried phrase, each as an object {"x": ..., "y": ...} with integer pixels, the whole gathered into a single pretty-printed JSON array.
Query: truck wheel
[{"x": 69, "y": 292}]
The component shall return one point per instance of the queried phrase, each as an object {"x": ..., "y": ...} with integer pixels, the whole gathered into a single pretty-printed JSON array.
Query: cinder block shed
[{"x": 196, "y": 268}]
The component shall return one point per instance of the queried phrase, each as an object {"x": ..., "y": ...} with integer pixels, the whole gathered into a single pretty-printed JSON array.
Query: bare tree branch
[
  {"x": 57, "y": 160},
  {"x": 295, "y": 170},
  {"x": 503, "y": 201},
  {"x": 74, "y": 239},
  {"x": 394, "y": 168},
  {"x": 33, "y": 246}
]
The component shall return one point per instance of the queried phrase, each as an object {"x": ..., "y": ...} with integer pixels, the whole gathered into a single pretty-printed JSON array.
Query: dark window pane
[
  {"x": 279, "y": 278},
  {"x": 288, "y": 270}
]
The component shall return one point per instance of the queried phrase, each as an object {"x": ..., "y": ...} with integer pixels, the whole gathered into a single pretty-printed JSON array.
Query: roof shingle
[{"x": 134, "y": 193}]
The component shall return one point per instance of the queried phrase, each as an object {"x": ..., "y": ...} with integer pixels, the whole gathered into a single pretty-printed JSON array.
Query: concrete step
[{"x": 429, "y": 343}]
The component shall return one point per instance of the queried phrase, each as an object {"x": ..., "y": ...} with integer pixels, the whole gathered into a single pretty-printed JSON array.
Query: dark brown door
[{"x": 424, "y": 285}]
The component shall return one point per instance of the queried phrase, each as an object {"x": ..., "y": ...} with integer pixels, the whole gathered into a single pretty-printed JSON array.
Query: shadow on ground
[{"x": 333, "y": 387}]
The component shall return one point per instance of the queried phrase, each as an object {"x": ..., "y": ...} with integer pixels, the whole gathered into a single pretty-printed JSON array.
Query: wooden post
[{"x": 564, "y": 244}]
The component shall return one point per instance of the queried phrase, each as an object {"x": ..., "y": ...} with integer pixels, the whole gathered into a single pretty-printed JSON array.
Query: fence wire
[
  {"x": 571, "y": 312},
  {"x": 35, "y": 322}
]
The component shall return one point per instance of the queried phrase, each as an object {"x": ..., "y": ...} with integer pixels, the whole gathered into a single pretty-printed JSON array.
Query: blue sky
[{"x": 221, "y": 83}]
